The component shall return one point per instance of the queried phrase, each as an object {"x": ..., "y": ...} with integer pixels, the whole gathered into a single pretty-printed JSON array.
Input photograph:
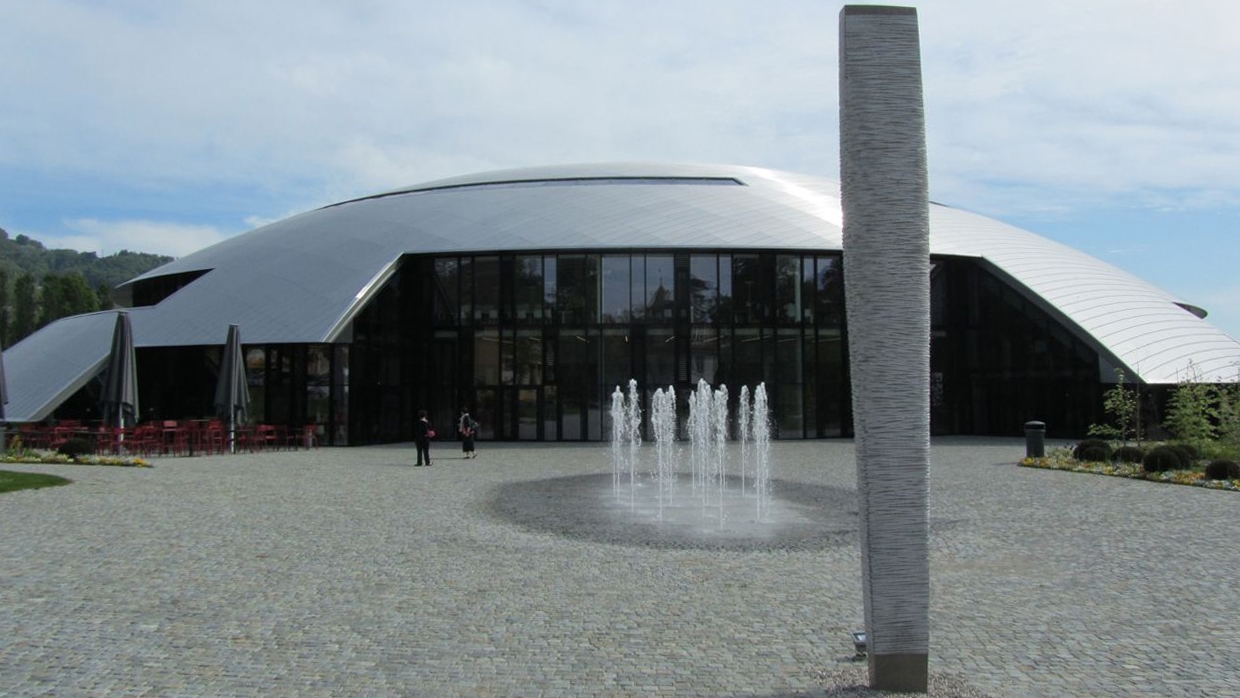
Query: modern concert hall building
[{"x": 531, "y": 294}]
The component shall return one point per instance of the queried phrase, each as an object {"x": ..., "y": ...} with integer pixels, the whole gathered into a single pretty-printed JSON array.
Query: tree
[
  {"x": 51, "y": 299},
  {"x": 1229, "y": 412},
  {"x": 1123, "y": 403},
  {"x": 1193, "y": 409},
  {"x": 77, "y": 297},
  {"x": 103, "y": 295},
  {"x": 24, "y": 307}
]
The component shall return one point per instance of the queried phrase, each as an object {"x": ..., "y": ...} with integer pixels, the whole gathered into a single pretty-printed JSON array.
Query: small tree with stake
[
  {"x": 1123, "y": 403},
  {"x": 1192, "y": 410}
]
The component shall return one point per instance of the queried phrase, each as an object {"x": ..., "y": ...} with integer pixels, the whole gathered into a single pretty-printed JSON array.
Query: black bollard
[{"x": 1035, "y": 439}]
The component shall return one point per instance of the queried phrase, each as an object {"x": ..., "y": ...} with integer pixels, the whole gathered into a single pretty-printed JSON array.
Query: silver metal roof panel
[{"x": 302, "y": 279}]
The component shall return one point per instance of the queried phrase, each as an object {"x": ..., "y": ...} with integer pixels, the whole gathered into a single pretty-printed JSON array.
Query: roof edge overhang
[
  {"x": 45, "y": 410},
  {"x": 1059, "y": 316},
  {"x": 361, "y": 299}
]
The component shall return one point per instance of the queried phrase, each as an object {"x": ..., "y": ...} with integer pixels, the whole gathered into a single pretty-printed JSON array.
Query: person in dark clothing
[
  {"x": 467, "y": 428},
  {"x": 422, "y": 434}
]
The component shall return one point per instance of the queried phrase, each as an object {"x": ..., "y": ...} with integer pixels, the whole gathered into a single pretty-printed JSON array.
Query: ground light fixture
[{"x": 858, "y": 638}]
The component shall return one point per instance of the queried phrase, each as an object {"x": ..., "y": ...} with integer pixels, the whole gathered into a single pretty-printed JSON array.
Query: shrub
[
  {"x": 1161, "y": 459},
  {"x": 74, "y": 448},
  {"x": 1128, "y": 454},
  {"x": 1188, "y": 455},
  {"x": 1094, "y": 454},
  {"x": 1223, "y": 470},
  {"x": 1192, "y": 451},
  {"x": 1089, "y": 449}
]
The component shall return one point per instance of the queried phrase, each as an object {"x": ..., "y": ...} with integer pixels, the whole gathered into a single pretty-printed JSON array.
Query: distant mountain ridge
[
  {"x": 25, "y": 255},
  {"x": 39, "y": 286}
]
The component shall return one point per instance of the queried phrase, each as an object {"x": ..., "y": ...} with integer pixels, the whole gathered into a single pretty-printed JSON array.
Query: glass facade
[{"x": 535, "y": 343}]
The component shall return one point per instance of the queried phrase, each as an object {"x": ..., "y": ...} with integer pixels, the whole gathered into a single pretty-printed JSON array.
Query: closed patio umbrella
[
  {"x": 4, "y": 400},
  {"x": 232, "y": 390},
  {"x": 120, "y": 378}
]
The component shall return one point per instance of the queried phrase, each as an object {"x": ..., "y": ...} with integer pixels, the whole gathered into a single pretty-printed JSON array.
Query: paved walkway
[{"x": 349, "y": 572}]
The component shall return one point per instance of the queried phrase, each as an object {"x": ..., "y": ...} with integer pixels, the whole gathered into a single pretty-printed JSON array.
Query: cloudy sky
[{"x": 1110, "y": 125}]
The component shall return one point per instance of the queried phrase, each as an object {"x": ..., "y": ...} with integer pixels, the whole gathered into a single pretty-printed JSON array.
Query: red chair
[
  {"x": 143, "y": 440},
  {"x": 214, "y": 439}
]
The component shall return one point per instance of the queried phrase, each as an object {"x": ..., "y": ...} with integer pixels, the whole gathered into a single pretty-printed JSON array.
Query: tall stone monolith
[{"x": 887, "y": 286}]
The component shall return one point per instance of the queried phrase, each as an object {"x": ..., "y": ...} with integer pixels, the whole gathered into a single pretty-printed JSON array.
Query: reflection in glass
[
  {"x": 527, "y": 415},
  {"x": 529, "y": 357},
  {"x": 506, "y": 358},
  {"x": 747, "y": 357},
  {"x": 486, "y": 290},
  {"x": 788, "y": 287},
  {"x": 549, "y": 286},
  {"x": 617, "y": 358},
  {"x": 703, "y": 288},
  {"x": 318, "y": 383},
  {"x": 704, "y": 353},
  {"x": 551, "y": 422},
  {"x": 829, "y": 296},
  {"x": 747, "y": 289},
  {"x": 485, "y": 413},
  {"x": 486, "y": 357},
  {"x": 447, "y": 291},
  {"x": 660, "y": 287},
  {"x": 527, "y": 289},
  {"x": 256, "y": 377},
  {"x": 660, "y": 358},
  {"x": 577, "y": 291},
  {"x": 616, "y": 287}
]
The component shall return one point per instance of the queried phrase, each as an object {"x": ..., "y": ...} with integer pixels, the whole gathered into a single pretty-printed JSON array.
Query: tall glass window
[
  {"x": 256, "y": 377},
  {"x": 616, "y": 287},
  {"x": 528, "y": 357},
  {"x": 747, "y": 289},
  {"x": 704, "y": 353},
  {"x": 467, "y": 290},
  {"x": 447, "y": 310},
  {"x": 318, "y": 383},
  {"x": 660, "y": 357},
  {"x": 829, "y": 296},
  {"x": 486, "y": 290},
  {"x": 660, "y": 287},
  {"x": 704, "y": 288},
  {"x": 808, "y": 295},
  {"x": 549, "y": 288},
  {"x": 577, "y": 290},
  {"x": 617, "y": 360},
  {"x": 527, "y": 289},
  {"x": 788, "y": 288},
  {"x": 486, "y": 357}
]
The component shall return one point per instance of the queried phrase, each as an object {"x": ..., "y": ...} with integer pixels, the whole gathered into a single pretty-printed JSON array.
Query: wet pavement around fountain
[{"x": 350, "y": 572}]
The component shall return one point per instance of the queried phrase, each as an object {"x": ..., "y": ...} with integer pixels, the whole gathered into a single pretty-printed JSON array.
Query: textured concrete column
[{"x": 887, "y": 291}]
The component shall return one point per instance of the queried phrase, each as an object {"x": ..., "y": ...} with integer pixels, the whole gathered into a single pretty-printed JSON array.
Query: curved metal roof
[{"x": 303, "y": 278}]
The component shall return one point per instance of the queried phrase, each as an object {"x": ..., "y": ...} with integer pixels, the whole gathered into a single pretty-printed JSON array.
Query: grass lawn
[{"x": 11, "y": 481}]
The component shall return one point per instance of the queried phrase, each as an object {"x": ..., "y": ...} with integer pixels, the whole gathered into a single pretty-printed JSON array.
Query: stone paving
[{"x": 348, "y": 572}]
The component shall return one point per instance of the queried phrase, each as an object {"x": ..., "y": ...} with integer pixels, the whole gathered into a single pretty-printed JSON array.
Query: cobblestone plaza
[{"x": 350, "y": 572}]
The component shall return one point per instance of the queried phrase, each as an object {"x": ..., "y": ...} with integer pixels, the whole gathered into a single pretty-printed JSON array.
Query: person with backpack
[
  {"x": 468, "y": 428},
  {"x": 422, "y": 435}
]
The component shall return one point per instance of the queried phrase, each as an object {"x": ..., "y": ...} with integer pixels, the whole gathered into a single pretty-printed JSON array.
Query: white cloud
[{"x": 156, "y": 237}]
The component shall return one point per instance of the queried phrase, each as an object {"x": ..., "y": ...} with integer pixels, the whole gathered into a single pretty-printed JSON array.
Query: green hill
[
  {"x": 38, "y": 285},
  {"x": 25, "y": 255}
]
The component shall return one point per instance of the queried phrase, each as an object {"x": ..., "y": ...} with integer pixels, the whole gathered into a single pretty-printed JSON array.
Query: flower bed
[
  {"x": 1195, "y": 478},
  {"x": 51, "y": 457}
]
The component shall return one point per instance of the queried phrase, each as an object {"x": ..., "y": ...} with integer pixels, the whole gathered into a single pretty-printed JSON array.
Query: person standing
[
  {"x": 468, "y": 428},
  {"x": 422, "y": 434}
]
